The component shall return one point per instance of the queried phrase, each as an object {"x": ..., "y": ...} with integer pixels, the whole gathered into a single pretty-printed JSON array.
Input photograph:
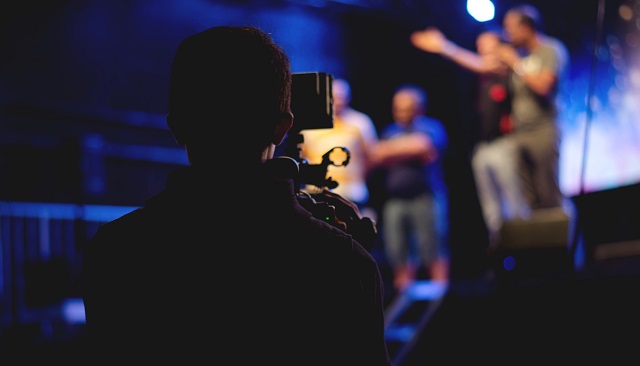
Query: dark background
[{"x": 85, "y": 79}]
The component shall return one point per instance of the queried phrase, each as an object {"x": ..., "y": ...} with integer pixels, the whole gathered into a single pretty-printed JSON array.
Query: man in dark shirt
[
  {"x": 225, "y": 264},
  {"x": 415, "y": 213}
]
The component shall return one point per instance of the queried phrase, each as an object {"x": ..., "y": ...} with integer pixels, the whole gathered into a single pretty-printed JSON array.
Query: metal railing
[{"x": 40, "y": 255}]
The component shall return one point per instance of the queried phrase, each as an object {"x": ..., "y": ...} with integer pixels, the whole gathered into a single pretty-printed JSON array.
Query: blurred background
[{"x": 83, "y": 97}]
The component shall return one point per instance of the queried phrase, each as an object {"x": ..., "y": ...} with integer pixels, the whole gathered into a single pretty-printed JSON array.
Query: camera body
[
  {"x": 311, "y": 101},
  {"x": 312, "y": 108}
]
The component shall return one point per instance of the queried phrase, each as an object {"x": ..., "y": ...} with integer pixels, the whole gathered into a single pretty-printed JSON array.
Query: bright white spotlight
[{"x": 481, "y": 10}]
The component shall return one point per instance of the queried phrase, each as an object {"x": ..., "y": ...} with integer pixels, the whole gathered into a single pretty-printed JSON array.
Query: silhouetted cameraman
[{"x": 225, "y": 264}]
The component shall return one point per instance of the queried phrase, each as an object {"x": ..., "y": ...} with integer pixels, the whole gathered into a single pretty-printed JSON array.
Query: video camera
[{"x": 312, "y": 107}]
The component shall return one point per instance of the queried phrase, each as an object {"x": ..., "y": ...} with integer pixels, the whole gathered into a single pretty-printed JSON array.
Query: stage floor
[{"x": 534, "y": 317}]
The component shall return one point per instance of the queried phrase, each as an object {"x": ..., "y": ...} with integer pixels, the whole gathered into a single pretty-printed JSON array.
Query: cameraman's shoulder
[
  {"x": 349, "y": 247},
  {"x": 113, "y": 238},
  {"x": 331, "y": 238},
  {"x": 123, "y": 224}
]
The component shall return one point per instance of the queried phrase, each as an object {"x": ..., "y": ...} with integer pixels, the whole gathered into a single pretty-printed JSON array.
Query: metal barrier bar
[{"x": 41, "y": 232}]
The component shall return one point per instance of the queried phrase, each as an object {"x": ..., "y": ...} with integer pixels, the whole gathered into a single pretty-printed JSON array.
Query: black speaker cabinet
[
  {"x": 606, "y": 231},
  {"x": 534, "y": 249}
]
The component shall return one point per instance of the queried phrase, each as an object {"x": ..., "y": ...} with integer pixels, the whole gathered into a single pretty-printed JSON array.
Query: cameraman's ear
[{"x": 282, "y": 128}]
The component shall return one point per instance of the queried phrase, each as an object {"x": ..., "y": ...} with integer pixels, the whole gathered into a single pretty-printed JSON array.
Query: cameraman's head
[{"x": 236, "y": 83}]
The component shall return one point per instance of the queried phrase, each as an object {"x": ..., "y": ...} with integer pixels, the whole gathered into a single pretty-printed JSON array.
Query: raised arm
[{"x": 433, "y": 40}]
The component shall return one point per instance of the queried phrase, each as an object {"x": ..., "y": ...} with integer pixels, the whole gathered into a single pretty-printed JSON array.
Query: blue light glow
[{"x": 509, "y": 263}]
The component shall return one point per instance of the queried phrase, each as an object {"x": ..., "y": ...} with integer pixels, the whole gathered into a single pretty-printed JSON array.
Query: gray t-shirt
[{"x": 529, "y": 109}]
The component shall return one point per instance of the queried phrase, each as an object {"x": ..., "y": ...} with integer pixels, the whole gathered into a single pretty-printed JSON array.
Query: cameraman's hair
[{"x": 235, "y": 77}]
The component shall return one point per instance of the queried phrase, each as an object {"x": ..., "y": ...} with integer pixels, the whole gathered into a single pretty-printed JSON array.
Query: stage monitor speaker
[
  {"x": 533, "y": 251},
  {"x": 607, "y": 229},
  {"x": 546, "y": 228}
]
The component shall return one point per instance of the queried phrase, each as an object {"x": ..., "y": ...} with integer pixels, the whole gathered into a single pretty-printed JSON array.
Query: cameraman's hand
[
  {"x": 346, "y": 210},
  {"x": 349, "y": 218}
]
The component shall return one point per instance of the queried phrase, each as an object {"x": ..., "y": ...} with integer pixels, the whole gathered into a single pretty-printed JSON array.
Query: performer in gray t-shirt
[{"x": 538, "y": 63}]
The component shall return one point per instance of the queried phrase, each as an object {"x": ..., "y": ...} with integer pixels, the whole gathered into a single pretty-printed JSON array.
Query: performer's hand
[
  {"x": 430, "y": 40},
  {"x": 508, "y": 55}
]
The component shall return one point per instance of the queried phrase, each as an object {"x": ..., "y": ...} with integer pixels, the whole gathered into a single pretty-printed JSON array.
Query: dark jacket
[{"x": 231, "y": 273}]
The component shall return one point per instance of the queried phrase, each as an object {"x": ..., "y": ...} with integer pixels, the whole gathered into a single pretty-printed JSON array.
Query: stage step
[{"x": 409, "y": 312}]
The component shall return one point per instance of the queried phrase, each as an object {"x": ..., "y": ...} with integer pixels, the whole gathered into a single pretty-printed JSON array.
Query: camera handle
[
  {"x": 287, "y": 167},
  {"x": 316, "y": 174}
]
